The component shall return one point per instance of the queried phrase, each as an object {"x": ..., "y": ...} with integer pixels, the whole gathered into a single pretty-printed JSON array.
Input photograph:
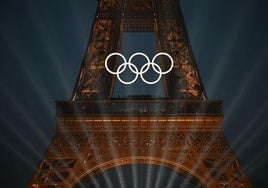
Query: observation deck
[{"x": 140, "y": 106}]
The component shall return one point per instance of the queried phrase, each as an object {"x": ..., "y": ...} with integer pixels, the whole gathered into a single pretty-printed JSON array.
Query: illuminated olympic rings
[{"x": 121, "y": 68}]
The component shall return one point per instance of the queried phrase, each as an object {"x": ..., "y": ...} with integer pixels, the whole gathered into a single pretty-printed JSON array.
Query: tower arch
[
  {"x": 181, "y": 132},
  {"x": 143, "y": 162}
]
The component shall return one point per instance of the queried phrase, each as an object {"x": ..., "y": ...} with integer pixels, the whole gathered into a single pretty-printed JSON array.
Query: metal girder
[
  {"x": 164, "y": 18},
  {"x": 182, "y": 132},
  {"x": 87, "y": 145}
]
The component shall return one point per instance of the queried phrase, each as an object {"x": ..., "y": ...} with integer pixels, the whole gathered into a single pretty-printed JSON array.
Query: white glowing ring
[
  {"x": 171, "y": 61},
  {"x": 121, "y": 68}
]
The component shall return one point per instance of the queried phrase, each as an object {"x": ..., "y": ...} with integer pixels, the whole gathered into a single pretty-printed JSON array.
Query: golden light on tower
[{"x": 181, "y": 132}]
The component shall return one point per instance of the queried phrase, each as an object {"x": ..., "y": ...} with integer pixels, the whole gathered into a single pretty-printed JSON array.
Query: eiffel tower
[{"x": 102, "y": 141}]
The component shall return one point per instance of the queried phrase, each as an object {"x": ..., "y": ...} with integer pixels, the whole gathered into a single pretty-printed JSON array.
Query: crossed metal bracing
[
  {"x": 164, "y": 18},
  {"x": 194, "y": 147},
  {"x": 181, "y": 132}
]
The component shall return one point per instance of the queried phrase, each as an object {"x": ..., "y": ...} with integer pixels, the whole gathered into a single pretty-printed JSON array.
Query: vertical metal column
[
  {"x": 184, "y": 82},
  {"x": 94, "y": 82}
]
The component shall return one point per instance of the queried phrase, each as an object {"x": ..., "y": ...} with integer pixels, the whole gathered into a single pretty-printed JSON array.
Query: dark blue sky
[{"x": 42, "y": 44}]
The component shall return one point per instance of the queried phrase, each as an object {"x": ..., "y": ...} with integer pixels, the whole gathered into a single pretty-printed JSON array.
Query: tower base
[{"x": 183, "y": 136}]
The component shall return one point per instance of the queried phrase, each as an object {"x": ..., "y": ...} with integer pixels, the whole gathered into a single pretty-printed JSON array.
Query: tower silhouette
[{"x": 181, "y": 132}]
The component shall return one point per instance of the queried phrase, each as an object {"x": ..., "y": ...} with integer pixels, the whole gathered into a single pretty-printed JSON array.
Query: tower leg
[
  {"x": 94, "y": 82},
  {"x": 184, "y": 82}
]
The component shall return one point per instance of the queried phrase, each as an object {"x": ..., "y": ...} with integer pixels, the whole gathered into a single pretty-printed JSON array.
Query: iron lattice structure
[
  {"x": 182, "y": 132},
  {"x": 164, "y": 18}
]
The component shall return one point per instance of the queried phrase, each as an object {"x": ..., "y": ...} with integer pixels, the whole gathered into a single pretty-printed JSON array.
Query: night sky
[{"x": 42, "y": 44}]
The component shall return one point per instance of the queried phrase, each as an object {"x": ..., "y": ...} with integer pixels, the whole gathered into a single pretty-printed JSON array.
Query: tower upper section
[{"x": 162, "y": 17}]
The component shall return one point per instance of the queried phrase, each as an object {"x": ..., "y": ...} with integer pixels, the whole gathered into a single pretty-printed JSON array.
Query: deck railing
[{"x": 121, "y": 107}]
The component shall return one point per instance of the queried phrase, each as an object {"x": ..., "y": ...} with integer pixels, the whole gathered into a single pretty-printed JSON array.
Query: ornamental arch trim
[{"x": 87, "y": 176}]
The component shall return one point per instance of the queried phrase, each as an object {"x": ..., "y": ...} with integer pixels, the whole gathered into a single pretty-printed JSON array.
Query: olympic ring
[{"x": 121, "y": 68}]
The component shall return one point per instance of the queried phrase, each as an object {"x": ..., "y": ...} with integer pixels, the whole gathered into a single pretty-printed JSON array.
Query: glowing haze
[{"x": 42, "y": 44}]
